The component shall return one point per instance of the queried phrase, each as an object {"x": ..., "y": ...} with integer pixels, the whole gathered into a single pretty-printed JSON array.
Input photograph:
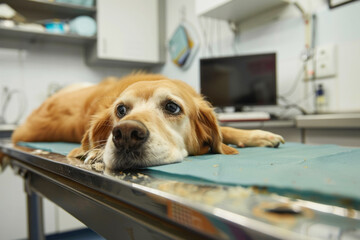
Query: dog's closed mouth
[{"x": 130, "y": 158}]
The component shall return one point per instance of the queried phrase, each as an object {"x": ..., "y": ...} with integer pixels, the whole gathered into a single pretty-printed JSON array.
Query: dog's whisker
[{"x": 100, "y": 142}]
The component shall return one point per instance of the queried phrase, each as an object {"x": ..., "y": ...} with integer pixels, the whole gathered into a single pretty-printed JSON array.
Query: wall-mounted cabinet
[
  {"x": 235, "y": 10},
  {"x": 37, "y": 10},
  {"x": 130, "y": 32}
]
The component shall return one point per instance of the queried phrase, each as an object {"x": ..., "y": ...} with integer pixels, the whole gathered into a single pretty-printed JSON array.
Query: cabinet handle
[{"x": 104, "y": 45}]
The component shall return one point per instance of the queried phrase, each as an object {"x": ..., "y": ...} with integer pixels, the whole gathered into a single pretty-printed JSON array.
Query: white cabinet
[
  {"x": 129, "y": 32},
  {"x": 235, "y": 10}
]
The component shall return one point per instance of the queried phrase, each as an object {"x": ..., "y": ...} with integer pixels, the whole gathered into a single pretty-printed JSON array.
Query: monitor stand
[{"x": 239, "y": 109}]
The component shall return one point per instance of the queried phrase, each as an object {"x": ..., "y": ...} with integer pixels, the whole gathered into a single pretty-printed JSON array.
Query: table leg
[{"x": 35, "y": 216}]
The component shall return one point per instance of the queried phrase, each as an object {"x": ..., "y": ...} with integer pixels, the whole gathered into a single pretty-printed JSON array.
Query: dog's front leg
[{"x": 250, "y": 138}]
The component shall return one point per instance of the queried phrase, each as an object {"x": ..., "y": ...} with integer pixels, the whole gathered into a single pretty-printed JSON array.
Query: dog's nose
[{"x": 129, "y": 135}]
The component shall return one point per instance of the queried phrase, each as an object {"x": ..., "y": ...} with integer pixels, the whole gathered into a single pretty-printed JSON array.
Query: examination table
[{"x": 296, "y": 191}]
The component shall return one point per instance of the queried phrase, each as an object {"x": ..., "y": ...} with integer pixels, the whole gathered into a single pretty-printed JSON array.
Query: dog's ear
[
  {"x": 208, "y": 131},
  {"x": 100, "y": 128},
  {"x": 96, "y": 135}
]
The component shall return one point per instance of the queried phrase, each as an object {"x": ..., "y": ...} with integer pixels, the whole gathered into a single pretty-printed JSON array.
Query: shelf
[
  {"x": 39, "y": 10},
  {"x": 345, "y": 120},
  {"x": 7, "y": 127},
  {"x": 51, "y": 9},
  {"x": 6, "y": 130},
  {"x": 321, "y": 121},
  {"x": 31, "y": 36},
  {"x": 239, "y": 10}
]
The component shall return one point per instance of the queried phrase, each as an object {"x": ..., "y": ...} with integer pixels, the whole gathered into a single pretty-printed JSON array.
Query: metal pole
[{"x": 34, "y": 212}]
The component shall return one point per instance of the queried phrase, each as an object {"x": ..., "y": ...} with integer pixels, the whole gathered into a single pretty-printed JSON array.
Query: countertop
[{"x": 324, "y": 121}]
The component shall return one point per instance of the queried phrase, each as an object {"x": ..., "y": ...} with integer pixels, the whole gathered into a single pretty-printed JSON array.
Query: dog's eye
[
  {"x": 172, "y": 107},
  {"x": 121, "y": 111}
]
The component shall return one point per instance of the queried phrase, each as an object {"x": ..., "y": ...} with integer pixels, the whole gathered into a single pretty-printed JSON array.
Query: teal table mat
[
  {"x": 57, "y": 147},
  {"x": 324, "y": 169}
]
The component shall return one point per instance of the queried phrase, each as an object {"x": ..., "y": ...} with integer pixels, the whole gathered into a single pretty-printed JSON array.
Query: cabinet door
[{"x": 128, "y": 30}]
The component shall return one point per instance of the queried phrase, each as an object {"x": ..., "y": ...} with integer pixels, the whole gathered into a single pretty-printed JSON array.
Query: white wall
[
  {"x": 282, "y": 31},
  {"x": 13, "y": 210},
  {"x": 12, "y": 207},
  {"x": 35, "y": 67},
  {"x": 340, "y": 27}
]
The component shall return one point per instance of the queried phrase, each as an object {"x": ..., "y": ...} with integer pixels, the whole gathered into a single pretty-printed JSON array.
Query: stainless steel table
[{"x": 146, "y": 205}]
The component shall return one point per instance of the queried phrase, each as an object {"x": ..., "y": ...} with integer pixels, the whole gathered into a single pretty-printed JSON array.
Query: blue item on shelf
[
  {"x": 55, "y": 27},
  {"x": 83, "y": 25},
  {"x": 85, "y": 3}
]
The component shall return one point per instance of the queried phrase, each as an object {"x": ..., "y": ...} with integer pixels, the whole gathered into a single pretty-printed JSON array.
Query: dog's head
[{"x": 158, "y": 122}]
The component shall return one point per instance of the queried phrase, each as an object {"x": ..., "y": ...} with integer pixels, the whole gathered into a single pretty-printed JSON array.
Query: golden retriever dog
[{"x": 137, "y": 121}]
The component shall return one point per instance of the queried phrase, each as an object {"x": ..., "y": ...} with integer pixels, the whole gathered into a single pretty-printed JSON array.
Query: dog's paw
[
  {"x": 94, "y": 156},
  {"x": 89, "y": 157},
  {"x": 260, "y": 138}
]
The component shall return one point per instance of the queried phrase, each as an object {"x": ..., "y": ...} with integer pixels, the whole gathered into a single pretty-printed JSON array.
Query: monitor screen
[{"x": 239, "y": 80}]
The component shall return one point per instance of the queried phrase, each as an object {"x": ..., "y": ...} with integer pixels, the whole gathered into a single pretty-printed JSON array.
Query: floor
[{"x": 81, "y": 234}]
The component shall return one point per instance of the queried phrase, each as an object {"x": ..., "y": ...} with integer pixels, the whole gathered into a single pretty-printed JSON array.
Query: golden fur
[{"x": 90, "y": 115}]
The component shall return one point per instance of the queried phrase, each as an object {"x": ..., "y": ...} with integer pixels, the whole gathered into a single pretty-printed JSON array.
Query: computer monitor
[{"x": 239, "y": 81}]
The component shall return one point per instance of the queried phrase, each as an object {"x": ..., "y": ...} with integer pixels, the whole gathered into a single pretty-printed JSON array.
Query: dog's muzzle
[{"x": 129, "y": 135}]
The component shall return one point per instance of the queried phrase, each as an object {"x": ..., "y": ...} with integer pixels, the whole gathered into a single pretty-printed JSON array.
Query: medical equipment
[
  {"x": 184, "y": 43},
  {"x": 6, "y": 97}
]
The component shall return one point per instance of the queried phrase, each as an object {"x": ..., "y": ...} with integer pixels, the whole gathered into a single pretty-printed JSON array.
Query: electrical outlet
[{"x": 325, "y": 61}]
